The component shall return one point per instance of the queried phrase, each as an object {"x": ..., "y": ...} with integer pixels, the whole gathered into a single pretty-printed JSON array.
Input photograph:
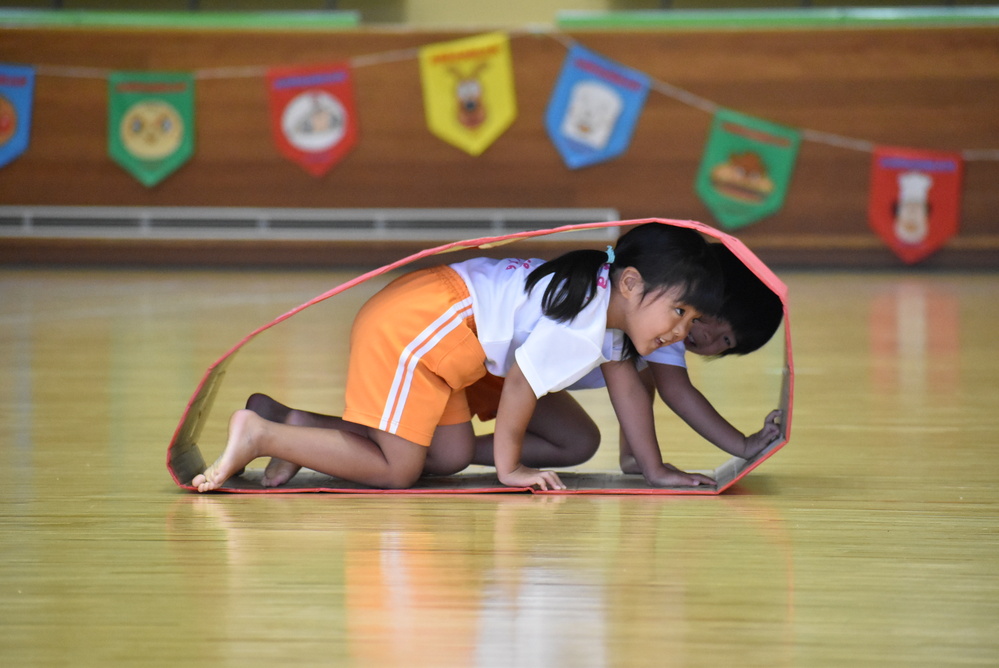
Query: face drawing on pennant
[
  {"x": 151, "y": 129},
  {"x": 314, "y": 121},
  {"x": 592, "y": 113},
  {"x": 468, "y": 93},
  {"x": 912, "y": 212}
]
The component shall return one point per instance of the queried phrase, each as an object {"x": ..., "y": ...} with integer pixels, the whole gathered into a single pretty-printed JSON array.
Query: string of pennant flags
[{"x": 469, "y": 102}]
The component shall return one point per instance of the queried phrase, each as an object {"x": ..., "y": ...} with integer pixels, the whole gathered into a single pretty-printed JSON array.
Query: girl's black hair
[
  {"x": 666, "y": 256},
  {"x": 752, "y": 309}
]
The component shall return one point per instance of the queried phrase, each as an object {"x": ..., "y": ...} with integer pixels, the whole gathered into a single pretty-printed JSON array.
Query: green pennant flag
[
  {"x": 150, "y": 122},
  {"x": 746, "y": 168}
]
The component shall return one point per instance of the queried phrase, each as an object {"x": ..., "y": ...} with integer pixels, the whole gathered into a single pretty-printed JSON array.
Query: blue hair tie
[{"x": 610, "y": 254}]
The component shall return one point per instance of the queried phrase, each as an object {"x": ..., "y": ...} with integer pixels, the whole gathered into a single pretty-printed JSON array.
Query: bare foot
[
  {"x": 278, "y": 472},
  {"x": 239, "y": 451}
]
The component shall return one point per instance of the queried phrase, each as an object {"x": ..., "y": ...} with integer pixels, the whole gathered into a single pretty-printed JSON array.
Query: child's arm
[
  {"x": 516, "y": 406},
  {"x": 634, "y": 412},
  {"x": 685, "y": 400}
]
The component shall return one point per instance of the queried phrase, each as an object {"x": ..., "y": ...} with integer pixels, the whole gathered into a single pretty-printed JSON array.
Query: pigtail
[{"x": 573, "y": 284}]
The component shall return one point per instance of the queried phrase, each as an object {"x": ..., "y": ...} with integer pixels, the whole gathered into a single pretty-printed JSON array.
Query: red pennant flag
[
  {"x": 312, "y": 114},
  {"x": 915, "y": 200}
]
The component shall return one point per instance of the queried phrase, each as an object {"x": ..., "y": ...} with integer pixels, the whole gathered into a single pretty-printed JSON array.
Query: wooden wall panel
[{"x": 924, "y": 88}]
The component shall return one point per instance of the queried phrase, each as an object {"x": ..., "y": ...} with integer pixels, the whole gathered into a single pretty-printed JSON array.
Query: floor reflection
[
  {"x": 915, "y": 338},
  {"x": 498, "y": 580}
]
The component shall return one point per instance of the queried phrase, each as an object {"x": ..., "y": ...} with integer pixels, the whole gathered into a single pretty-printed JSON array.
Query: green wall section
[
  {"x": 778, "y": 18},
  {"x": 318, "y": 20}
]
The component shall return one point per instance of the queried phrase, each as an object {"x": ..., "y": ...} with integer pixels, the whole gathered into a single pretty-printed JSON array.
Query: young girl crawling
[{"x": 418, "y": 343}]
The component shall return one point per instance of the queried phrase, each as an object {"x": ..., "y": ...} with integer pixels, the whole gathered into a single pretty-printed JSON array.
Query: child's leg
[
  {"x": 560, "y": 433},
  {"x": 379, "y": 459},
  {"x": 279, "y": 471},
  {"x": 449, "y": 452}
]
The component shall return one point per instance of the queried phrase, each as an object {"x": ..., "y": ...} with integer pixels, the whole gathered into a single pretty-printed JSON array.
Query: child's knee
[
  {"x": 586, "y": 442},
  {"x": 451, "y": 450},
  {"x": 396, "y": 478},
  {"x": 404, "y": 461},
  {"x": 586, "y": 433},
  {"x": 450, "y": 463},
  {"x": 590, "y": 438}
]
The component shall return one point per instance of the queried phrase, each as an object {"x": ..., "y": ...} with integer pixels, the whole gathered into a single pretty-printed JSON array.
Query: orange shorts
[{"x": 413, "y": 350}]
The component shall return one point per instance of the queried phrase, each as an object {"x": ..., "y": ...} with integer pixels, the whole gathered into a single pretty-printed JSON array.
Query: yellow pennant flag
[{"x": 468, "y": 93}]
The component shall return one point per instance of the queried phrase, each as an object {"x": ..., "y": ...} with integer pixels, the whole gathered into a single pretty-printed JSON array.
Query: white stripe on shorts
[{"x": 410, "y": 357}]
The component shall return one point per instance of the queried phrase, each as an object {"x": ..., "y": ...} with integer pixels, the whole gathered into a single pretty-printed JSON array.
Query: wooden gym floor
[{"x": 872, "y": 538}]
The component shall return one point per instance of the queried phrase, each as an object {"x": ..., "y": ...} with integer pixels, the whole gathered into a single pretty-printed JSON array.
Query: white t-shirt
[
  {"x": 511, "y": 326},
  {"x": 672, "y": 354}
]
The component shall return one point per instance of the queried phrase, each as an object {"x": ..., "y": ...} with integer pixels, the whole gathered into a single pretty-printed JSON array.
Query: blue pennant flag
[
  {"x": 594, "y": 108},
  {"x": 17, "y": 87}
]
